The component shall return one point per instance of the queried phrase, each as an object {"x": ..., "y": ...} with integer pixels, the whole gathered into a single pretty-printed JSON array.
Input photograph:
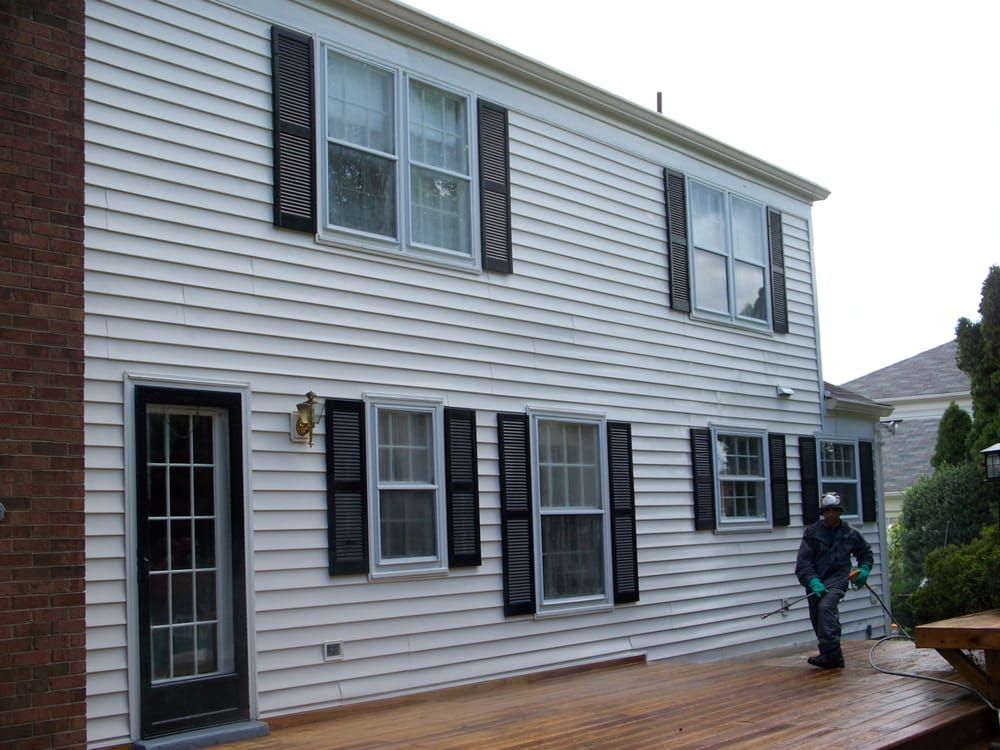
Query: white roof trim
[{"x": 418, "y": 24}]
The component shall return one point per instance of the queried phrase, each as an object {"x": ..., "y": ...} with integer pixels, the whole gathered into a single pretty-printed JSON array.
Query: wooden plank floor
[{"x": 770, "y": 700}]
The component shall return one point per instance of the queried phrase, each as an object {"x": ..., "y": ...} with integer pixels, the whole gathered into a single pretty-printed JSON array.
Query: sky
[{"x": 892, "y": 106}]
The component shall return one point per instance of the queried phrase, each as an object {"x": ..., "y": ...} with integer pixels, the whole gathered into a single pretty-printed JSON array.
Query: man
[{"x": 823, "y": 566}]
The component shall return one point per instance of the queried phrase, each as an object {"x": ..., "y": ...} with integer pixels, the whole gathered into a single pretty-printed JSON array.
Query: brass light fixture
[{"x": 307, "y": 417}]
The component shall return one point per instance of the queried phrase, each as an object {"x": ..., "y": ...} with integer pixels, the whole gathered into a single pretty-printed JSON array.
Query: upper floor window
[
  {"x": 838, "y": 470},
  {"x": 729, "y": 255},
  {"x": 398, "y": 160}
]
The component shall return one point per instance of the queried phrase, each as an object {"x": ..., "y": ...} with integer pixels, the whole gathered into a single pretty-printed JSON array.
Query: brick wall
[{"x": 42, "y": 657}]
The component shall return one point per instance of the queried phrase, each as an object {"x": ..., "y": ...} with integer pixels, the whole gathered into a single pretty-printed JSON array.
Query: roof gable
[{"x": 931, "y": 372}]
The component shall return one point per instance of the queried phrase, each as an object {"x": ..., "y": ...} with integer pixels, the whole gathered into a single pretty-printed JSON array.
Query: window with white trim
[
  {"x": 398, "y": 160},
  {"x": 838, "y": 472},
  {"x": 572, "y": 522},
  {"x": 741, "y": 475},
  {"x": 408, "y": 499},
  {"x": 729, "y": 255}
]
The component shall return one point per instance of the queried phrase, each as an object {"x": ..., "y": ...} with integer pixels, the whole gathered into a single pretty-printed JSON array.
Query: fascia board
[
  {"x": 587, "y": 96},
  {"x": 855, "y": 407}
]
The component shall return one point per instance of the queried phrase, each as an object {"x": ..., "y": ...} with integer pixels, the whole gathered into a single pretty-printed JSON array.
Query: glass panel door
[{"x": 190, "y": 617}]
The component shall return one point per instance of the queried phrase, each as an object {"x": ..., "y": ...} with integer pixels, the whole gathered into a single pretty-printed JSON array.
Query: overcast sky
[{"x": 892, "y": 106}]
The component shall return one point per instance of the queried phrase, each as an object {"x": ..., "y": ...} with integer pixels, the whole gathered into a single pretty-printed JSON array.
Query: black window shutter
[
  {"x": 347, "y": 487},
  {"x": 810, "y": 481},
  {"x": 776, "y": 242},
  {"x": 866, "y": 456},
  {"x": 494, "y": 188},
  {"x": 294, "y": 142},
  {"x": 515, "y": 515},
  {"x": 675, "y": 192},
  {"x": 779, "y": 480},
  {"x": 462, "y": 488},
  {"x": 625, "y": 562},
  {"x": 704, "y": 479}
]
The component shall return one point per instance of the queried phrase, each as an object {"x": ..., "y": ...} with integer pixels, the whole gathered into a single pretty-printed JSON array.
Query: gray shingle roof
[{"x": 930, "y": 372}]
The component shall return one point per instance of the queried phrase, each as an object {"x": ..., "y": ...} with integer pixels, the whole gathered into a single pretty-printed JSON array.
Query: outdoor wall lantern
[
  {"x": 306, "y": 418},
  {"x": 991, "y": 457}
]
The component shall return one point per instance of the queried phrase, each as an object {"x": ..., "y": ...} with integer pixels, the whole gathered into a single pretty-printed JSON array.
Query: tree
[
  {"x": 960, "y": 580},
  {"x": 979, "y": 357},
  {"x": 952, "y": 437}
]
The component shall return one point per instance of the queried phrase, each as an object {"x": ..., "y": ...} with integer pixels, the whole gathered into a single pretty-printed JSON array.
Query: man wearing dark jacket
[{"x": 823, "y": 566}]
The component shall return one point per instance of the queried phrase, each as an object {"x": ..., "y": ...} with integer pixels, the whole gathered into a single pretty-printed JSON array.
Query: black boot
[{"x": 828, "y": 661}]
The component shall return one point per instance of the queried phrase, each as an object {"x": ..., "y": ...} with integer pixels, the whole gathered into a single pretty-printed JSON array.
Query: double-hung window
[
  {"x": 838, "y": 471},
  {"x": 407, "y": 495},
  {"x": 730, "y": 262},
  {"x": 398, "y": 160},
  {"x": 740, "y": 479},
  {"x": 741, "y": 476},
  {"x": 572, "y": 519},
  {"x": 566, "y": 491}
]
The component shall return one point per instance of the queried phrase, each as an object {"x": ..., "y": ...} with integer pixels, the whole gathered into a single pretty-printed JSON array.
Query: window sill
[
  {"x": 405, "y": 575},
  {"x": 764, "y": 329},
  {"x": 742, "y": 528},
  {"x": 392, "y": 251},
  {"x": 571, "y": 610}
]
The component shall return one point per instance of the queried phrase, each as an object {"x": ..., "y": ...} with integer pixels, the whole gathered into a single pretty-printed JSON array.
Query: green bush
[
  {"x": 960, "y": 580},
  {"x": 948, "y": 507}
]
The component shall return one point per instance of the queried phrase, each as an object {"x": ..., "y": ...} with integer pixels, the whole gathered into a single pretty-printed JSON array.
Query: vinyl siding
[{"x": 188, "y": 279}]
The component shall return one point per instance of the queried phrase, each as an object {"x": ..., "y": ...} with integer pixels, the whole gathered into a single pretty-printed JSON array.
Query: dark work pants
[{"x": 825, "y": 619}]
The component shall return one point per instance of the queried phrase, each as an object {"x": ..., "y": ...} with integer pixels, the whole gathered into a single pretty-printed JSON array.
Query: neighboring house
[
  {"x": 570, "y": 406},
  {"x": 919, "y": 389}
]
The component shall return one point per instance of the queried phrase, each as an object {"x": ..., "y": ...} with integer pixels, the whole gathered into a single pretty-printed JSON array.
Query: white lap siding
[{"x": 187, "y": 278}]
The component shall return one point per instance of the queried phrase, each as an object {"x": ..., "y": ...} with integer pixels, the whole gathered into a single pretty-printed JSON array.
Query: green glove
[
  {"x": 818, "y": 588},
  {"x": 862, "y": 576}
]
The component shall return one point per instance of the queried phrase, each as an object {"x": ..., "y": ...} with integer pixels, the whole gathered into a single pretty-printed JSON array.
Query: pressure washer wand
[{"x": 787, "y": 605}]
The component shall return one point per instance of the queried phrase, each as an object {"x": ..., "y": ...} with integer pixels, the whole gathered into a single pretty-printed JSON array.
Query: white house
[
  {"x": 570, "y": 405},
  {"x": 919, "y": 388}
]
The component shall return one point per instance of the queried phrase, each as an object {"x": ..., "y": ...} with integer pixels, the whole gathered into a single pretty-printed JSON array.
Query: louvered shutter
[
  {"x": 494, "y": 188},
  {"x": 810, "y": 480},
  {"x": 294, "y": 141},
  {"x": 623, "y": 536},
  {"x": 675, "y": 192},
  {"x": 869, "y": 503},
  {"x": 462, "y": 487},
  {"x": 515, "y": 515},
  {"x": 779, "y": 480},
  {"x": 776, "y": 242},
  {"x": 347, "y": 487},
  {"x": 704, "y": 479}
]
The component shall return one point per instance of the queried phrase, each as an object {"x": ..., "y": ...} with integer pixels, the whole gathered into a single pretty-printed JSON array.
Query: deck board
[{"x": 772, "y": 699}]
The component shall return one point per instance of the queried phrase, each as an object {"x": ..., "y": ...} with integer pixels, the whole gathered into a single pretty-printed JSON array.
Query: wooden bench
[{"x": 977, "y": 631}]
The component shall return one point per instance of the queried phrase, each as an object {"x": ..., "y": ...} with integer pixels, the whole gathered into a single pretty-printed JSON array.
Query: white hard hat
[{"x": 830, "y": 500}]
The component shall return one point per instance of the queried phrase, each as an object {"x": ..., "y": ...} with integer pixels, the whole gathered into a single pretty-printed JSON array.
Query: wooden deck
[{"x": 769, "y": 700}]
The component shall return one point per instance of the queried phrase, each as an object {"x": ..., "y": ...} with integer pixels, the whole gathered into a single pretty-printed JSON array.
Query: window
[
  {"x": 396, "y": 158},
  {"x": 726, "y": 257},
  {"x": 393, "y": 158},
  {"x": 846, "y": 467},
  {"x": 407, "y": 498},
  {"x": 567, "y": 513},
  {"x": 838, "y": 471},
  {"x": 740, "y": 479},
  {"x": 729, "y": 255},
  {"x": 572, "y": 517},
  {"x": 417, "y": 501}
]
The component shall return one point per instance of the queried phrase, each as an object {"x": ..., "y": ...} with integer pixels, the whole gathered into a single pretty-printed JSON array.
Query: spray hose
[{"x": 904, "y": 635}]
